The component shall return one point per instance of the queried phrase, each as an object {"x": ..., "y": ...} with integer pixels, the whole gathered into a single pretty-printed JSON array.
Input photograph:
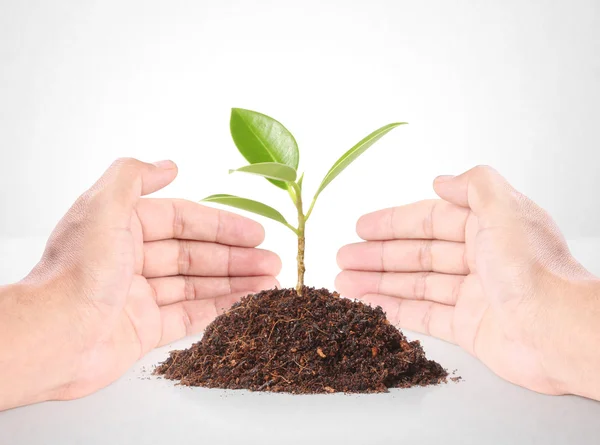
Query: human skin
[
  {"x": 121, "y": 275},
  {"x": 487, "y": 269}
]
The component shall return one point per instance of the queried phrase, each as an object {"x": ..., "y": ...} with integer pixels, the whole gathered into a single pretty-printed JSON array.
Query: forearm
[
  {"x": 573, "y": 346},
  {"x": 32, "y": 361}
]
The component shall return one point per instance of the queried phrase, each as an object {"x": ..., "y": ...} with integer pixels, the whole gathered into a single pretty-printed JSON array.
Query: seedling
[{"x": 273, "y": 153}]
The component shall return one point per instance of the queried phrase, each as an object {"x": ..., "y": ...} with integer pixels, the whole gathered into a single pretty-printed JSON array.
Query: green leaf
[
  {"x": 300, "y": 181},
  {"x": 260, "y": 138},
  {"x": 354, "y": 153},
  {"x": 250, "y": 206},
  {"x": 271, "y": 170}
]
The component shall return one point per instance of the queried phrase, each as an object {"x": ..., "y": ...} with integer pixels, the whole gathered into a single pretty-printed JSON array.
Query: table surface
[{"x": 142, "y": 409}]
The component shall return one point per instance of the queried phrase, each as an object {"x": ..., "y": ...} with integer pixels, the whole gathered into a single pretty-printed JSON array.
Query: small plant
[
  {"x": 276, "y": 341},
  {"x": 273, "y": 153}
]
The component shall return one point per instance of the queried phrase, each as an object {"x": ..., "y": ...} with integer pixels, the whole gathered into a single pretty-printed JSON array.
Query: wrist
[
  {"x": 34, "y": 364},
  {"x": 570, "y": 348}
]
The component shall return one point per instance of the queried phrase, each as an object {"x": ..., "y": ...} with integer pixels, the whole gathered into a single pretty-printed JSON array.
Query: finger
[
  {"x": 430, "y": 286},
  {"x": 177, "y": 218},
  {"x": 191, "y": 317},
  {"x": 180, "y": 257},
  {"x": 170, "y": 290},
  {"x": 118, "y": 190},
  {"x": 483, "y": 190},
  {"x": 404, "y": 256},
  {"x": 425, "y": 317},
  {"x": 432, "y": 219}
]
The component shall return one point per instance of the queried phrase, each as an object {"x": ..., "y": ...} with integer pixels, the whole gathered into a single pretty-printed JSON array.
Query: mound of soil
[{"x": 316, "y": 343}]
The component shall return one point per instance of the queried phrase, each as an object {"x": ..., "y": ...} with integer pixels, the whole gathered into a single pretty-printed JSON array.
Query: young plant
[{"x": 273, "y": 153}]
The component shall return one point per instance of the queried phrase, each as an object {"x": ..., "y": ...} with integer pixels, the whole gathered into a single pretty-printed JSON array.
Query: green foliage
[
  {"x": 260, "y": 138},
  {"x": 273, "y": 154},
  {"x": 300, "y": 181},
  {"x": 270, "y": 170},
  {"x": 250, "y": 206},
  {"x": 350, "y": 156}
]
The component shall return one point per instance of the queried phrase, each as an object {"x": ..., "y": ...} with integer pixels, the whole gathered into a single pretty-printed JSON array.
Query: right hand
[{"x": 485, "y": 268}]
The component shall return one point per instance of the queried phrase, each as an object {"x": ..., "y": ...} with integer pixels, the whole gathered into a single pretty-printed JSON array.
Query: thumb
[
  {"x": 125, "y": 181},
  {"x": 483, "y": 190}
]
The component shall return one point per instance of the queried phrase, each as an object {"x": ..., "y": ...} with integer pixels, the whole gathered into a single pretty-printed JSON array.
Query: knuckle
[
  {"x": 178, "y": 220},
  {"x": 124, "y": 168},
  {"x": 425, "y": 255},
  {"x": 397, "y": 318},
  {"x": 125, "y": 163},
  {"x": 426, "y": 321},
  {"x": 465, "y": 261},
  {"x": 380, "y": 282},
  {"x": 229, "y": 256},
  {"x": 383, "y": 255},
  {"x": 487, "y": 185},
  {"x": 184, "y": 260},
  {"x": 456, "y": 291},
  {"x": 482, "y": 174},
  {"x": 483, "y": 170},
  {"x": 428, "y": 221},
  {"x": 422, "y": 287},
  {"x": 419, "y": 285},
  {"x": 219, "y": 224},
  {"x": 186, "y": 321},
  {"x": 189, "y": 290},
  {"x": 393, "y": 230}
]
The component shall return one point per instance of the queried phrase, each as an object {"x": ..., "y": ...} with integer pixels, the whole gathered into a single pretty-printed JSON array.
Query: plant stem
[
  {"x": 310, "y": 209},
  {"x": 301, "y": 268},
  {"x": 301, "y": 244}
]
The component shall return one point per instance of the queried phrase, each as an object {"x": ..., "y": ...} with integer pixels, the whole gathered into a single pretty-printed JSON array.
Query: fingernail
[
  {"x": 444, "y": 178},
  {"x": 165, "y": 165}
]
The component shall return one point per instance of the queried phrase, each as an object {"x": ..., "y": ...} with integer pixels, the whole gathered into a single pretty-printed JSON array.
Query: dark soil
[{"x": 318, "y": 343}]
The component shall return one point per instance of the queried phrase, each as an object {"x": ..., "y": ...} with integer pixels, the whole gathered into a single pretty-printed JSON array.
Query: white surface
[
  {"x": 141, "y": 409},
  {"x": 510, "y": 83}
]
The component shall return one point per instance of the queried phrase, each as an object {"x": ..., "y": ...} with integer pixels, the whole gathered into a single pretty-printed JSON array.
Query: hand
[
  {"x": 487, "y": 269},
  {"x": 120, "y": 276}
]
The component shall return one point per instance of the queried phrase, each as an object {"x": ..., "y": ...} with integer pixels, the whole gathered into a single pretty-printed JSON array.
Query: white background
[{"x": 515, "y": 84}]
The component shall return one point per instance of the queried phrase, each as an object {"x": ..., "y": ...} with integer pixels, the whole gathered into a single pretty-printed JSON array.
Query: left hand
[{"x": 120, "y": 276}]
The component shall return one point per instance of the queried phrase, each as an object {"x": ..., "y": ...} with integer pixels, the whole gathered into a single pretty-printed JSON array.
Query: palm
[
  {"x": 480, "y": 323},
  {"x": 434, "y": 270},
  {"x": 496, "y": 308},
  {"x": 136, "y": 328},
  {"x": 160, "y": 279}
]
